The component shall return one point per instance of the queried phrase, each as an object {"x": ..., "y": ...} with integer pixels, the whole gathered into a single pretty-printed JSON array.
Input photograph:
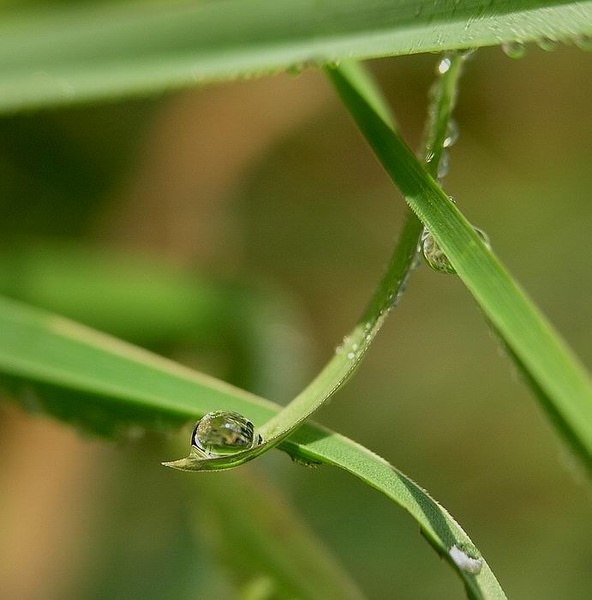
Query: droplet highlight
[
  {"x": 466, "y": 557},
  {"x": 444, "y": 65},
  {"x": 224, "y": 433}
]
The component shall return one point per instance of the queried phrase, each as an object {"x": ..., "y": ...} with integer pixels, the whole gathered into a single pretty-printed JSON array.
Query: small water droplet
[
  {"x": 452, "y": 133},
  {"x": 351, "y": 355},
  {"x": 444, "y": 65},
  {"x": 514, "y": 49},
  {"x": 223, "y": 433},
  {"x": 466, "y": 557},
  {"x": 443, "y": 165},
  {"x": 434, "y": 255},
  {"x": 305, "y": 462},
  {"x": 295, "y": 70},
  {"x": 548, "y": 44},
  {"x": 584, "y": 42}
]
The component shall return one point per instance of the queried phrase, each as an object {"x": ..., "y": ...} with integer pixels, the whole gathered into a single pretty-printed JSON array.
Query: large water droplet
[
  {"x": 223, "y": 433},
  {"x": 514, "y": 49},
  {"x": 434, "y": 255},
  {"x": 466, "y": 557}
]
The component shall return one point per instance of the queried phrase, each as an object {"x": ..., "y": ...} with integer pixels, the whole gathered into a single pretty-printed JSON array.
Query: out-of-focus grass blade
[
  {"x": 104, "y": 385},
  {"x": 563, "y": 385},
  {"x": 87, "y": 53}
]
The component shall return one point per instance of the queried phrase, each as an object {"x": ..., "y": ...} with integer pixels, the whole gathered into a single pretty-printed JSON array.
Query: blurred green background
[{"x": 240, "y": 229}]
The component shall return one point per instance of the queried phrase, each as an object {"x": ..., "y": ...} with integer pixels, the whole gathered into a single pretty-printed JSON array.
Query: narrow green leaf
[
  {"x": 85, "y": 53},
  {"x": 564, "y": 387},
  {"x": 53, "y": 365}
]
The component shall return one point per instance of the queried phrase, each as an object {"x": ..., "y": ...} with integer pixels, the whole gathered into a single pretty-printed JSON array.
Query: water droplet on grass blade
[
  {"x": 548, "y": 44},
  {"x": 444, "y": 164},
  {"x": 452, "y": 134},
  {"x": 444, "y": 65},
  {"x": 514, "y": 49},
  {"x": 466, "y": 557},
  {"x": 584, "y": 42},
  {"x": 224, "y": 433},
  {"x": 435, "y": 256}
]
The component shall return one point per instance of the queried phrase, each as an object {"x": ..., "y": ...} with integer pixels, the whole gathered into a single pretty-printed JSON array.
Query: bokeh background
[{"x": 240, "y": 228}]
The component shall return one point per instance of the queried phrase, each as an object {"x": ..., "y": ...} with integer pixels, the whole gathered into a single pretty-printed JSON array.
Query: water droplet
[
  {"x": 443, "y": 165},
  {"x": 223, "y": 433},
  {"x": 444, "y": 65},
  {"x": 434, "y": 255},
  {"x": 305, "y": 462},
  {"x": 351, "y": 355},
  {"x": 548, "y": 44},
  {"x": 295, "y": 70},
  {"x": 584, "y": 42},
  {"x": 514, "y": 49},
  {"x": 452, "y": 133},
  {"x": 466, "y": 557}
]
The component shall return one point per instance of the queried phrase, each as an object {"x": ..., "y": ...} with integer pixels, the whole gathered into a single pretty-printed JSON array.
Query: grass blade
[
  {"x": 563, "y": 385},
  {"x": 86, "y": 53}
]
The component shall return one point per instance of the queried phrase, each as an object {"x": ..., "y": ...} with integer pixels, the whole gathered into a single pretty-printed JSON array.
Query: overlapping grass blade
[
  {"x": 563, "y": 386},
  {"x": 86, "y": 53}
]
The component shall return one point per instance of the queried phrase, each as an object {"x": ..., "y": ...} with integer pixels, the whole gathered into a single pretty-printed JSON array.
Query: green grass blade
[
  {"x": 563, "y": 385},
  {"x": 101, "y": 384},
  {"x": 85, "y": 53}
]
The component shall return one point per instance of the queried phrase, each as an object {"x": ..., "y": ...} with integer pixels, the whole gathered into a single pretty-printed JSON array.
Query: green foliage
[{"x": 98, "y": 383}]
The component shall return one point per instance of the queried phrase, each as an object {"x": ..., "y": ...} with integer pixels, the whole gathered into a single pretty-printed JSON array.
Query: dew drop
[
  {"x": 295, "y": 70},
  {"x": 452, "y": 133},
  {"x": 434, "y": 255},
  {"x": 548, "y": 44},
  {"x": 514, "y": 49},
  {"x": 351, "y": 355},
  {"x": 444, "y": 65},
  {"x": 443, "y": 165},
  {"x": 584, "y": 42},
  {"x": 466, "y": 557},
  {"x": 223, "y": 433}
]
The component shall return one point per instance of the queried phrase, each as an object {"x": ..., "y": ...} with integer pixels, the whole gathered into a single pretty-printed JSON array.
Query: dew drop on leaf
[
  {"x": 466, "y": 557},
  {"x": 514, "y": 49},
  {"x": 584, "y": 42},
  {"x": 452, "y": 133},
  {"x": 548, "y": 44},
  {"x": 444, "y": 65},
  {"x": 223, "y": 433},
  {"x": 434, "y": 255}
]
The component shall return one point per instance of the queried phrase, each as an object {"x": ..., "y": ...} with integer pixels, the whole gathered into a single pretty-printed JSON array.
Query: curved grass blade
[
  {"x": 348, "y": 356},
  {"x": 87, "y": 53},
  {"x": 336, "y": 372},
  {"x": 104, "y": 385},
  {"x": 563, "y": 385}
]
